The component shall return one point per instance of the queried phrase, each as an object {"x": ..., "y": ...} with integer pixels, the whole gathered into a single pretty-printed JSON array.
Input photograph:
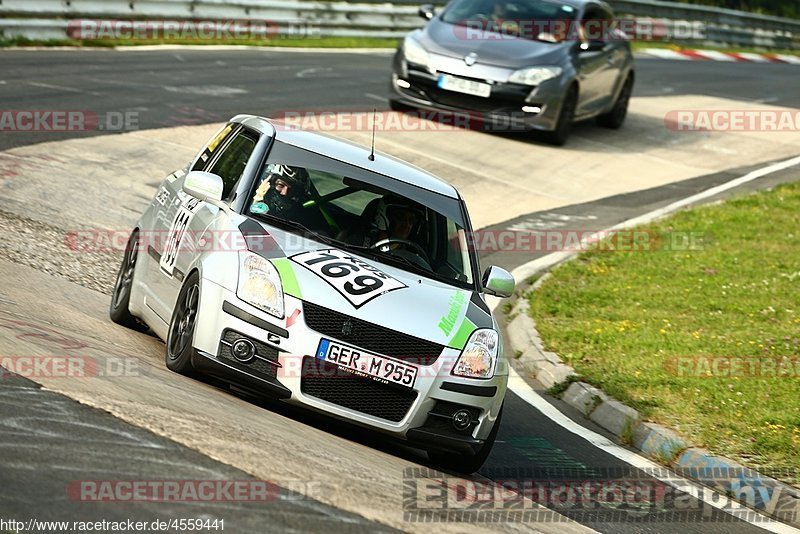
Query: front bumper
[
  {"x": 418, "y": 87},
  {"x": 287, "y": 369}
]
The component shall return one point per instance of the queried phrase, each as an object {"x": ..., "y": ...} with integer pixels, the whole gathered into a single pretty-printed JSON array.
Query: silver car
[
  {"x": 517, "y": 64},
  {"x": 302, "y": 267}
]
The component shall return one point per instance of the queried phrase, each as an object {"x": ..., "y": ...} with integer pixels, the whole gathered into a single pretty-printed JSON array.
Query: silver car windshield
[
  {"x": 531, "y": 19},
  {"x": 361, "y": 212}
]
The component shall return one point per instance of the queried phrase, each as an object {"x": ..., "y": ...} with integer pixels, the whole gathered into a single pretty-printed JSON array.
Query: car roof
[{"x": 350, "y": 153}]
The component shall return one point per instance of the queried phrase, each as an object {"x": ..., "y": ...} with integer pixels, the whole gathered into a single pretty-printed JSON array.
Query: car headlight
[
  {"x": 415, "y": 53},
  {"x": 479, "y": 356},
  {"x": 260, "y": 284},
  {"x": 534, "y": 75}
]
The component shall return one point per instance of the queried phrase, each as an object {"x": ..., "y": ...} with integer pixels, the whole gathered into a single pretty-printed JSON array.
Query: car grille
[
  {"x": 371, "y": 337},
  {"x": 258, "y": 366},
  {"x": 328, "y": 382}
]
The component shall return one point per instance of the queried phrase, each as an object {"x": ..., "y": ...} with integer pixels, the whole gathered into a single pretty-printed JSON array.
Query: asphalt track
[
  {"x": 184, "y": 87},
  {"x": 105, "y": 81}
]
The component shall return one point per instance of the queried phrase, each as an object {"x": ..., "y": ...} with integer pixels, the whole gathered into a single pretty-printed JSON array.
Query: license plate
[
  {"x": 460, "y": 85},
  {"x": 358, "y": 362}
]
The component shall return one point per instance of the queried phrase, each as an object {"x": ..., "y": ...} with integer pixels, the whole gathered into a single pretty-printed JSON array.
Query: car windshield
[
  {"x": 363, "y": 212},
  {"x": 539, "y": 20}
]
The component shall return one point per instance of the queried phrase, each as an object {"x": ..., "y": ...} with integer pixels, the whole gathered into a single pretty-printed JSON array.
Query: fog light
[
  {"x": 403, "y": 84},
  {"x": 461, "y": 420},
  {"x": 243, "y": 350},
  {"x": 531, "y": 109}
]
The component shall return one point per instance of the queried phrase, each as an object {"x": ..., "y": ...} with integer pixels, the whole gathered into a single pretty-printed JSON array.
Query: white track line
[
  {"x": 518, "y": 385},
  {"x": 788, "y": 58},
  {"x": 716, "y": 56},
  {"x": 665, "y": 54},
  {"x": 756, "y": 58},
  {"x": 526, "y": 392}
]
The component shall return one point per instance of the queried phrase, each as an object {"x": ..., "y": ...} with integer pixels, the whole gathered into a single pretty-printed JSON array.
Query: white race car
[{"x": 303, "y": 267}]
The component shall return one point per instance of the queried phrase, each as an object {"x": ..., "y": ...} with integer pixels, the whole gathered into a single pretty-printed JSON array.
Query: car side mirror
[
  {"x": 592, "y": 46},
  {"x": 498, "y": 282},
  {"x": 426, "y": 11},
  {"x": 204, "y": 186}
]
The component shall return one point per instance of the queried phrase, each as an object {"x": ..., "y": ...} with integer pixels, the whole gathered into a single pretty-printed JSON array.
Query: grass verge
[{"x": 706, "y": 341}]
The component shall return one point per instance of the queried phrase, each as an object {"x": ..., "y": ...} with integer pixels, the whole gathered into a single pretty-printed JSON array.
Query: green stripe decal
[
  {"x": 288, "y": 279},
  {"x": 459, "y": 339}
]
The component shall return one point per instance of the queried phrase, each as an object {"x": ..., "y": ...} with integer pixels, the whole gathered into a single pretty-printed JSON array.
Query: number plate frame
[
  {"x": 366, "y": 364},
  {"x": 461, "y": 85}
]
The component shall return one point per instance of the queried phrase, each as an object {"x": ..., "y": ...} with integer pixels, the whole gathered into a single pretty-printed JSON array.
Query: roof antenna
[{"x": 372, "y": 152}]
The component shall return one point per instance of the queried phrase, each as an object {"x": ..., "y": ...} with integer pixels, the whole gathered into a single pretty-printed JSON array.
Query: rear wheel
[
  {"x": 616, "y": 116},
  {"x": 461, "y": 463},
  {"x": 121, "y": 295},
  {"x": 561, "y": 133},
  {"x": 182, "y": 326}
]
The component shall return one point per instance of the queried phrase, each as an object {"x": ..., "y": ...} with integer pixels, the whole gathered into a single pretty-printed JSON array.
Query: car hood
[
  {"x": 416, "y": 305},
  {"x": 494, "y": 49}
]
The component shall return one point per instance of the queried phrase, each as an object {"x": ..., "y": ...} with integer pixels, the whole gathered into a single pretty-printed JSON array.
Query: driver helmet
[
  {"x": 267, "y": 198},
  {"x": 390, "y": 208},
  {"x": 295, "y": 177}
]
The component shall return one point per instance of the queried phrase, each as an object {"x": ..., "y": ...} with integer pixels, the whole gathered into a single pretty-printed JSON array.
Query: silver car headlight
[
  {"x": 260, "y": 284},
  {"x": 534, "y": 75},
  {"x": 415, "y": 53},
  {"x": 479, "y": 356}
]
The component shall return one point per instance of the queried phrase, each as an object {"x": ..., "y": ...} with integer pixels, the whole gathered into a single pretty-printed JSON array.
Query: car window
[
  {"x": 352, "y": 210},
  {"x": 596, "y": 23},
  {"x": 230, "y": 163},
  {"x": 530, "y": 19},
  {"x": 210, "y": 150}
]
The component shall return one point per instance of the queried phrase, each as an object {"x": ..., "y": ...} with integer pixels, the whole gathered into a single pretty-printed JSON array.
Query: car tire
[
  {"x": 121, "y": 294},
  {"x": 616, "y": 116},
  {"x": 180, "y": 335},
  {"x": 466, "y": 464},
  {"x": 566, "y": 115}
]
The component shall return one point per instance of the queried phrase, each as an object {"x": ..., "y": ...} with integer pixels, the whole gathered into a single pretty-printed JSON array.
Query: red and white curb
[{"x": 713, "y": 55}]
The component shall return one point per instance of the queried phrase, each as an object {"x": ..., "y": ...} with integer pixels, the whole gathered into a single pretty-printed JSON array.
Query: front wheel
[
  {"x": 467, "y": 464},
  {"x": 180, "y": 335},
  {"x": 616, "y": 116},
  {"x": 563, "y": 127},
  {"x": 121, "y": 295}
]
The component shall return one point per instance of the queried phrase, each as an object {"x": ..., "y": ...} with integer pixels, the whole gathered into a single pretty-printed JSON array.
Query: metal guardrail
[{"x": 48, "y": 19}]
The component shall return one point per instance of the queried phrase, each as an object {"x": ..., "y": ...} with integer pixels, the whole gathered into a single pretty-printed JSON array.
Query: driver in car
[
  {"x": 396, "y": 218},
  {"x": 282, "y": 192}
]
